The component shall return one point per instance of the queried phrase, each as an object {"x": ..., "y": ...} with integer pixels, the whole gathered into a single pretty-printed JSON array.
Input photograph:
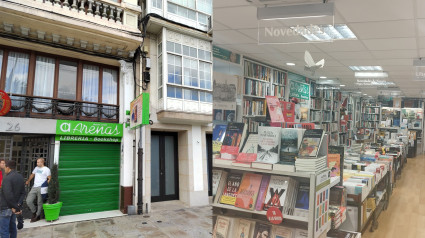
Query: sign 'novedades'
[
  {"x": 299, "y": 90},
  {"x": 83, "y": 128}
]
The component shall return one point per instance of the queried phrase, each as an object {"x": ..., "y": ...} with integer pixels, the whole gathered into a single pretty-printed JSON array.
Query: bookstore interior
[{"x": 306, "y": 149}]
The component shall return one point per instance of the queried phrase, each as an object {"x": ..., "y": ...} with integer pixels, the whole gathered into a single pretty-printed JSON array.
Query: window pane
[
  {"x": 174, "y": 69},
  {"x": 159, "y": 71},
  {"x": 203, "y": 19},
  {"x": 186, "y": 50},
  {"x": 170, "y": 46},
  {"x": 205, "y": 75},
  {"x": 192, "y": 15},
  {"x": 193, "y": 52},
  {"x": 160, "y": 49},
  {"x": 67, "y": 88},
  {"x": 90, "y": 83},
  {"x": 190, "y": 95},
  {"x": 172, "y": 8},
  {"x": 174, "y": 92},
  {"x": 178, "y": 48},
  {"x": 44, "y": 76},
  {"x": 109, "y": 86},
  {"x": 17, "y": 73},
  {"x": 204, "y": 6}
]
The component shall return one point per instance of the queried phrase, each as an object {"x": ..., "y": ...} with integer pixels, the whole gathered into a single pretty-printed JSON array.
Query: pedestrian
[
  {"x": 2, "y": 172},
  {"x": 12, "y": 191},
  {"x": 41, "y": 174}
]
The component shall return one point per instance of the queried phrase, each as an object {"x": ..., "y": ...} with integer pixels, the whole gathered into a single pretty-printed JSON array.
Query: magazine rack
[{"x": 319, "y": 184}]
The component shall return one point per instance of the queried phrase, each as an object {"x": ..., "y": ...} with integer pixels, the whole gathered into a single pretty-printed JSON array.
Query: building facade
[
  {"x": 70, "y": 68},
  {"x": 177, "y": 146}
]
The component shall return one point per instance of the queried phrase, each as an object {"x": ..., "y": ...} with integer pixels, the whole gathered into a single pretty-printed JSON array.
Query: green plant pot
[{"x": 51, "y": 211}]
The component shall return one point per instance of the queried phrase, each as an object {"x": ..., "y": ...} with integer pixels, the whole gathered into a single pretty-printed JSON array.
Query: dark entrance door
[
  {"x": 164, "y": 167},
  {"x": 209, "y": 163}
]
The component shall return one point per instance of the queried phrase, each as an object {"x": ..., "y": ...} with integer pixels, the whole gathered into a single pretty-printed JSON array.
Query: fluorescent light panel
[
  {"x": 327, "y": 32},
  {"x": 361, "y": 74},
  {"x": 295, "y": 11},
  {"x": 290, "y": 64},
  {"x": 366, "y": 68}
]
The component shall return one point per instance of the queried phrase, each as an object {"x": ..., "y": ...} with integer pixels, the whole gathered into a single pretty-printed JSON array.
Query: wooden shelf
[
  {"x": 261, "y": 80},
  {"x": 293, "y": 174},
  {"x": 289, "y": 217},
  {"x": 252, "y": 96}
]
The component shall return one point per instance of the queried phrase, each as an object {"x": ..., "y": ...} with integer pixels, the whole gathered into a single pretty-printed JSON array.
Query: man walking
[
  {"x": 2, "y": 170},
  {"x": 41, "y": 173},
  {"x": 12, "y": 191}
]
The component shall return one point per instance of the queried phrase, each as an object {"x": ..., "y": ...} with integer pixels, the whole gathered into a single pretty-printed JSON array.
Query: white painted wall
[
  {"x": 27, "y": 125},
  {"x": 126, "y": 96},
  {"x": 197, "y": 157}
]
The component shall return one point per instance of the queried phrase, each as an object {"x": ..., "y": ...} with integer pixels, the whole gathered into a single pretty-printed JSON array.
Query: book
[
  {"x": 274, "y": 111},
  {"x": 220, "y": 186},
  {"x": 216, "y": 176},
  {"x": 231, "y": 189},
  {"x": 243, "y": 228},
  {"x": 288, "y": 109},
  {"x": 282, "y": 232},
  {"x": 290, "y": 141},
  {"x": 311, "y": 142},
  {"x": 301, "y": 233},
  {"x": 268, "y": 144},
  {"x": 334, "y": 164},
  {"x": 218, "y": 136},
  {"x": 232, "y": 140},
  {"x": 221, "y": 228},
  {"x": 262, "y": 192},
  {"x": 276, "y": 192},
  {"x": 302, "y": 202},
  {"x": 248, "y": 191},
  {"x": 248, "y": 151},
  {"x": 262, "y": 230},
  {"x": 341, "y": 151}
]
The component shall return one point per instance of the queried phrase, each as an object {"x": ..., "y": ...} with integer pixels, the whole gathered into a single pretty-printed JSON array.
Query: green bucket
[{"x": 51, "y": 211}]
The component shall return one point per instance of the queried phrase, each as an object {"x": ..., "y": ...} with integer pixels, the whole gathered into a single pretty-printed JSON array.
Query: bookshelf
[
  {"x": 370, "y": 119},
  {"x": 259, "y": 81}
]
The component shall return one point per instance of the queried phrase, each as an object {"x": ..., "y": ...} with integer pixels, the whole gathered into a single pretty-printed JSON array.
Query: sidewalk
[{"x": 167, "y": 220}]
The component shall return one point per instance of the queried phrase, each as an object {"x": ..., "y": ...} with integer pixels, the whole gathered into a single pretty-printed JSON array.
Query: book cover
[
  {"x": 248, "y": 191},
  {"x": 220, "y": 186},
  {"x": 310, "y": 144},
  {"x": 218, "y": 136},
  {"x": 276, "y": 192},
  {"x": 243, "y": 229},
  {"x": 334, "y": 164},
  {"x": 288, "y": 109},
  {"x": 262, "y": 192},
  {"x": 221, "y": 227},
  {"x": 230, "y": 191},
  {"x": 216, "y": 176},
  {"x": 290, "y": 141},
  {"x": 341, "y": 151},
  {"x": 274, "y": 111},
  {"x": 248, "y": 151},
  {"x": 303, "y": 197},
  {"x": 282, "y": 232},
  {"x": 268, "y": 144},
  {"x": 232, "y": 140},
  {"x": 297, "y": 118},
  {"x": 262, "y": 230}
]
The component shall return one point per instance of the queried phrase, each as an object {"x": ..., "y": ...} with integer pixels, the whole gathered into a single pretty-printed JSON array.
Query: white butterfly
[{"x": 311, "y": 65}]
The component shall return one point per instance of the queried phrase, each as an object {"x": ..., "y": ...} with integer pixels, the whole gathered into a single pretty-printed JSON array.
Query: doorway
[
  {"x": 164, "y": 167},
  {"x": 209, "y": 162}
]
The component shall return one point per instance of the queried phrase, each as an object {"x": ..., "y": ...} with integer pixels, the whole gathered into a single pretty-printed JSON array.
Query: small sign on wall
[{"x": 139, "y": 111}]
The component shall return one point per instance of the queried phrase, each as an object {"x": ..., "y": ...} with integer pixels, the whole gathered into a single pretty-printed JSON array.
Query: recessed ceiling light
[
  {"x": 365, "y": 68},
  {"x": 290, "y": 64},
  {"x": 342, "y": 85},
  {"x": 371, "y": 74},
  {"x": 323, "y": 77},
  {"x": 325, "y": 32},
  {"x": 365, "y": 94}
]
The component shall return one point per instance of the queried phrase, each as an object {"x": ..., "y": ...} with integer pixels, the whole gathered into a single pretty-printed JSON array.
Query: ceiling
[{"x": 390, "y": 33}]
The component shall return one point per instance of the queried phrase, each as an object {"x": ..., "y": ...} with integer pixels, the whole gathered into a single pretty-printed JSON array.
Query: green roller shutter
[{"x": 89, "y": 176}]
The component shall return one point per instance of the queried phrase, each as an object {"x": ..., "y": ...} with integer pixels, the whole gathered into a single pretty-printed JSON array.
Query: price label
[{"x": 274, "y": 215}]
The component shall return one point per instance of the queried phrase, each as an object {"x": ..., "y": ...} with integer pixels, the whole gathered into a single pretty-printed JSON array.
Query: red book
[
  {"x": 274, "y": 111},
  {"x": 288, "y": 109}
]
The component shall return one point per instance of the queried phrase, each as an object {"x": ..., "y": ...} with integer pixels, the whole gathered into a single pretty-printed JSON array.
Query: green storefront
[{"x": 89, "y": 166}]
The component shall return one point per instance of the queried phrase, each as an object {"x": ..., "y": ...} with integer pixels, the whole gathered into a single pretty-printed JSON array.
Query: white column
[
  {"x": 197, "y": 156},
  {"x": 126, "y": 96},
  {"x": 57, "y": 148}
]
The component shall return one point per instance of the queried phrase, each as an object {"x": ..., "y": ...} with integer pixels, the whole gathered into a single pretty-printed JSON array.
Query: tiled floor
[
  {"x": 170, "y": 219},
  {"x": 405, "y": 216}
]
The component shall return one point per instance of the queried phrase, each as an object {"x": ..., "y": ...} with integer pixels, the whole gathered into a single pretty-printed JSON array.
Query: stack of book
[
  {"x": 338, "y": 215},
  {"x": 343, "y": 234},
  {"x": 308, "y": 156}
]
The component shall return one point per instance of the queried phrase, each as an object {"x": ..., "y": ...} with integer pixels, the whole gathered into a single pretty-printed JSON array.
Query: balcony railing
[{"x": 40, "y": 107}]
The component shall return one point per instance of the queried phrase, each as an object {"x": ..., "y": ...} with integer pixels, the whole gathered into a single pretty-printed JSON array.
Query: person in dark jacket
[
  {"x": 12, "y": 191},
  {"x": 2, "y": 167}
]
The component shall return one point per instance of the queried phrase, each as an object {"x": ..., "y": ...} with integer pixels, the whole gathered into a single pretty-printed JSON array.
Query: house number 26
[{"x": 13, "y": 126}]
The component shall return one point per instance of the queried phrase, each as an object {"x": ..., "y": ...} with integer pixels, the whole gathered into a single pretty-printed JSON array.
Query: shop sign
[
  {"x": 5, "y": 103},
  {"x": 226, "y": 55},
  {"x": 89, "y": 129},
  {"x": 299, "y": 90},
  {"x": 87, "y": 138},
  {"x": 139, "y": 111}
]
